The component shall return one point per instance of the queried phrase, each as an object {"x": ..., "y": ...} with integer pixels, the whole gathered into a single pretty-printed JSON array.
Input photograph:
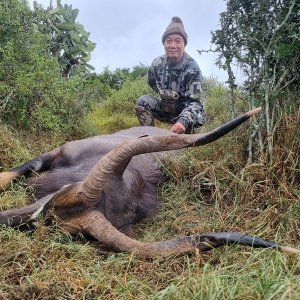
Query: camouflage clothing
[{"x": 179, "y": 87}]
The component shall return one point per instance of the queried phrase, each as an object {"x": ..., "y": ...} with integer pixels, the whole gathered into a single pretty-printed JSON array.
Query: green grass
[
  {"x": 49, "y": 264},
  {"x": 103, "y": 121},
  {"x": 118, "y": 111}
]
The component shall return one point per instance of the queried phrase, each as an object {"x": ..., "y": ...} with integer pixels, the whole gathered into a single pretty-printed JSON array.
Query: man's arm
[
  {"x": 193, "y": 113},
  {"x": 193, "y": 79},
  {"x": 152, "y": 78}
]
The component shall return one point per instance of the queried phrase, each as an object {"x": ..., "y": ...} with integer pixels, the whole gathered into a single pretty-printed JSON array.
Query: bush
[
  {"x": 117, "y": 111},
  {"x": 33, "y": 94}
]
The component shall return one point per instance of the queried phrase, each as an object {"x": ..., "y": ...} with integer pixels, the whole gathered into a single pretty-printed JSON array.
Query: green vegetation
[
  {"x": 263, "y": 39},
  {"x": 212, "y": 188},
  {"x": 118, "y": 112},
  {"x": 34, "y": 95},
  {"x": 68, "y": 41},
  {"x": 206, "y": 190}
]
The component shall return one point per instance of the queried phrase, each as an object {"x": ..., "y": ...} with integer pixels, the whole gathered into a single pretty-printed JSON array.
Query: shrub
[
  {"x": 33, "y": 94},
  {"x": 117, "y": 111}
]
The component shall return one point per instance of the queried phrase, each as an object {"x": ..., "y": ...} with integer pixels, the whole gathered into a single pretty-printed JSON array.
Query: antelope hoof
[{"x": 6, "y": 178}]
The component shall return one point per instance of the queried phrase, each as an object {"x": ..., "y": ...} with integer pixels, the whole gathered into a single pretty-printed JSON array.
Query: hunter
[{"x": 176, "y": 77}]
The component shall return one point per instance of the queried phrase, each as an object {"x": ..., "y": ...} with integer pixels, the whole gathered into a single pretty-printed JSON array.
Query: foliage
[
  {"x": 115, "y": 79},
  {"x": 215, "y": 98},
  {"x": 138, "y": 71},
  {"x": 33, "y": 94},
  {"x": 68, "y": 40},
  {"x": 117, "y": 110},
  {"x": 263, "y": 38}
]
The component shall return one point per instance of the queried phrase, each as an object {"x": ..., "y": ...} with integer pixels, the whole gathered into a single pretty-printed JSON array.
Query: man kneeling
[{"x": 177, "y": 78}]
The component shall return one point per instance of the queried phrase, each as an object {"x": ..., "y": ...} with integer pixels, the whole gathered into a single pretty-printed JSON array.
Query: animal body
[{"x": 101, "y": 186}]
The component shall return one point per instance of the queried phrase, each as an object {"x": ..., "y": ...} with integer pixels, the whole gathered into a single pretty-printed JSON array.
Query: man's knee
[
  {"x": 142, "y": 101},
  {"x": 144, "y": 116}
]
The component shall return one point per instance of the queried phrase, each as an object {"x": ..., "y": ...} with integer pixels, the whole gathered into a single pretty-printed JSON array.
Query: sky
[{"x": 128, "y": 32}]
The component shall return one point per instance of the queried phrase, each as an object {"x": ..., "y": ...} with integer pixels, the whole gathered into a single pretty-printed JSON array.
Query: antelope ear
[
  {"x": 26, "y": 215},
  {"x": 65, "y": 197}
]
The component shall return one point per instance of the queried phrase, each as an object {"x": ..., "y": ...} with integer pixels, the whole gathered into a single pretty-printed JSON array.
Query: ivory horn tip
[
  {"x": 253, "y": 111},
  {"x": 289, "y": 249}
]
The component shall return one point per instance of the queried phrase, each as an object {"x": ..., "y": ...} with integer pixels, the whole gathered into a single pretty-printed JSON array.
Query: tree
[
  {"x": 263, "y": 39},
  {"x": 33, "y": 94},
  {"x": 68, "y": 40}
]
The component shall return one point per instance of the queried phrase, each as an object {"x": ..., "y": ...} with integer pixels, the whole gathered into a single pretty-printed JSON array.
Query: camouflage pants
[{"x": 149, "y": 108}]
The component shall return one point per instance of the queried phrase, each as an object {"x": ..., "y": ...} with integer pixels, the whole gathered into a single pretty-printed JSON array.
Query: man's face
[{"x": 174, "y": 47}]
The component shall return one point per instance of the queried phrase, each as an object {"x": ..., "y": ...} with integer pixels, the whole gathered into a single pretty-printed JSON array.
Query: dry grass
[{"x": 207, "y": 189}]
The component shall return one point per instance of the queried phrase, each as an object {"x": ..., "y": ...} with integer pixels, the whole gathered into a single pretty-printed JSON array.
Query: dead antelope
[{"x": 101, "y": 185}]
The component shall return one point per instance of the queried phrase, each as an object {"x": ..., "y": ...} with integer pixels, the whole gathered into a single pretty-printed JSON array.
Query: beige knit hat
[{"x": 176, "y": 26}]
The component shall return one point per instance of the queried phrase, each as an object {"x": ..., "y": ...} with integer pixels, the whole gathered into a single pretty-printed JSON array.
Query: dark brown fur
[{"x": 71, "y": 163}]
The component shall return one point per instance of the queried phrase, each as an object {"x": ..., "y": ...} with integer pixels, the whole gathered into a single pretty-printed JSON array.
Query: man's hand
[{"x": 178, "y": 128}]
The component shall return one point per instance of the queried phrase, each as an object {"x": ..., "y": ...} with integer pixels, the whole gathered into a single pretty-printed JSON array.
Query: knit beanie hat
[{"x": 176, "y": 26}]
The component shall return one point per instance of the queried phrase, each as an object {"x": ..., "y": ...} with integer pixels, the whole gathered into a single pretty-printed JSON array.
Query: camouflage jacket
[{"x": 179, "y": 86}]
